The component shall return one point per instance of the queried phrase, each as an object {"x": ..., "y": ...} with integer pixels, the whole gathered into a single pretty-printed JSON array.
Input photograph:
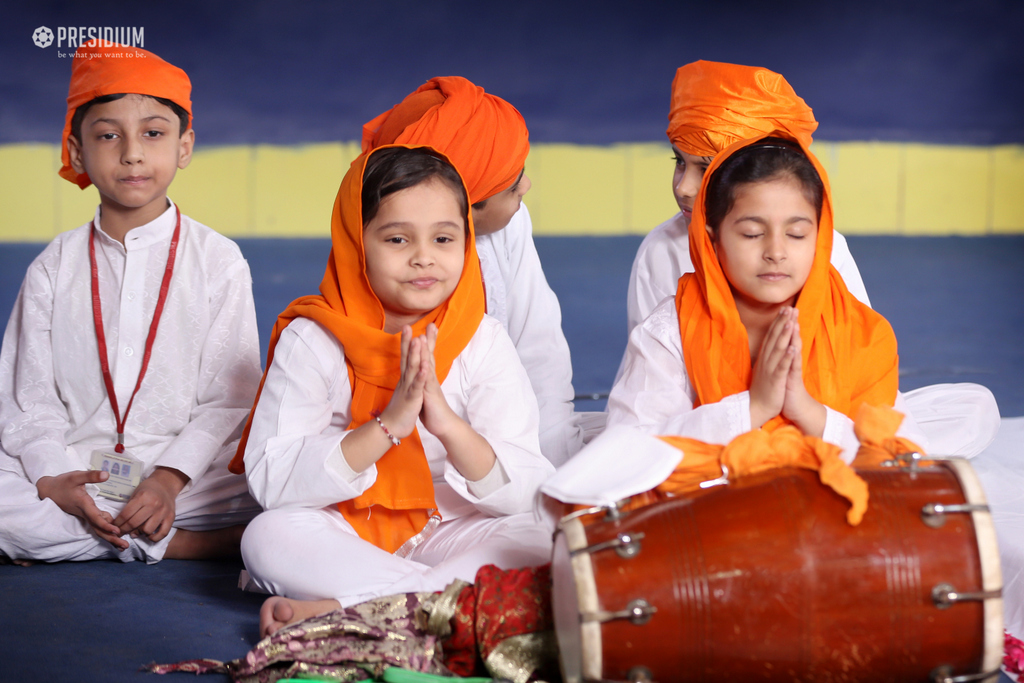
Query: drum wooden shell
[{"x": 763, "y": 579}]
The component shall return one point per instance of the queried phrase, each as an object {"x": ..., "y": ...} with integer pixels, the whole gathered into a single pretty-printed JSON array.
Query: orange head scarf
[
  {"x": 402, "y": 498},
  {"x": 716, "y": 104},
  {"x": 849, "y": 351},
  {"x": 136, "y": 71},
  {"x": 484, "y": 136}
]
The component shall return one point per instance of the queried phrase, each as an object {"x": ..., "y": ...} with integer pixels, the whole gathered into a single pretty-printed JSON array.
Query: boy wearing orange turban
[
  {"x": 715, "y": 105},
  {"x": 487, "y": 140},
  {"x": 131, "y": 356}
]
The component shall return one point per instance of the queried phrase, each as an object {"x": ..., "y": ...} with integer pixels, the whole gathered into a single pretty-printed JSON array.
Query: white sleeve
[
  {"x": 229, "y": 375},
  {"x": 839, "y": 430},
  {"x": 291, "y": 458},
  {"x": 34, "y": 419},
  {"x": 501, "y": 407},
  {"x": 648, "y": 285},
  {"x": 535, "y": 326},
  {"x": 654, "y": 393},
  {"x": 843, "y": 262}
]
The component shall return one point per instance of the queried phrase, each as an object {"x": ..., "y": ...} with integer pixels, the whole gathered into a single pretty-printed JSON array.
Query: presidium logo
[{"x": 89, "y": 36}]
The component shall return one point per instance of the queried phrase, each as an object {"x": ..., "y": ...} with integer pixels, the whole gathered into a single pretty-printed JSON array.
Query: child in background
[
  {"x": 138, "y": 327},
  {"x": 713, "y": 106},
  {"x": 394, "y": 440},
  {"x": 764, "y": 332},
  {"x": 486, "y": 139}
]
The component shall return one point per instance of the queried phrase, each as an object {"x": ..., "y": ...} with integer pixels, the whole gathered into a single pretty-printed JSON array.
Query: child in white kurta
[
  {"x": 713, "y": 105},
  {"x": 303, "y": 547},
  {"x": 169, "y": 300},
  {"x": 394, "y": 440},
  {"x": 189, "y": 410}
]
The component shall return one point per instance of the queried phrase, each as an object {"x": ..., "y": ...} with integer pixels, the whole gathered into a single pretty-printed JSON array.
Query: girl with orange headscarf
[
  {"x": 765, "y": 332},
  {"x": 487, "y": 140},
  {"x": 394, "y": 441},
  {"x": 715, "y": 104}
]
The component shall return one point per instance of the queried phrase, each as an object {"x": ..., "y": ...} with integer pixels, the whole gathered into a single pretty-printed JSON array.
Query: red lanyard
[{"x": 101, "y": 339}]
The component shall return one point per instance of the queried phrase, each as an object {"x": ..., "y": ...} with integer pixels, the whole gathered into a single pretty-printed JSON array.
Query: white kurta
[
  {"x": 518, "y": 295},
  {"x": 654, "y": 394},
  {"x": 188, "y": 414},
  {"x": 297, "y": 471},
  {"x": 664, "y": 256}
]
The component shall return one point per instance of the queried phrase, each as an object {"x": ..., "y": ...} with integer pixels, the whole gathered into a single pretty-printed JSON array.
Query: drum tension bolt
[
  {"x": 945, "y": 595},
  {"x": 934, "y": 514}
]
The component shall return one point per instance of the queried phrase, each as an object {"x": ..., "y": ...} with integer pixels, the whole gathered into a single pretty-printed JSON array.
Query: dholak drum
[{"x": 763, "y": 579}]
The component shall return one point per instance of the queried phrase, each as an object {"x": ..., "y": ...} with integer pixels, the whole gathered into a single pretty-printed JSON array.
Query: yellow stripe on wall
[{"x": 288, "y": 191}]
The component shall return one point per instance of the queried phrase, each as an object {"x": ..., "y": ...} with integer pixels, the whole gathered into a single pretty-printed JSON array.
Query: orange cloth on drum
[
  {"x": 484, "y": 136},
  {"x": 402, "y": 498},
  {"x": 875, "y": 428},
  {"x": 137, "y": 71},
  {"x": 716, "y": 104},
  {"x": 849, "y": 351},
  {"x": 758, "y": 451}
]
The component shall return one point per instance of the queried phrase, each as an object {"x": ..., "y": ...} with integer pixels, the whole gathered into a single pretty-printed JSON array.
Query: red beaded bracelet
[{"x": 394, "y": 439}]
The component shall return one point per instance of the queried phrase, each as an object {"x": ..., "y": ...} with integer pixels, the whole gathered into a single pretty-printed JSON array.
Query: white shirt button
[
  {"x": 131, "y": 296},
  {"x": 128, "y": 351}
]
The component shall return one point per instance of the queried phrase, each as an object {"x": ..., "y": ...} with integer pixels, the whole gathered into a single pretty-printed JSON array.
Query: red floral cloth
[{"x": 499, "y": 605}]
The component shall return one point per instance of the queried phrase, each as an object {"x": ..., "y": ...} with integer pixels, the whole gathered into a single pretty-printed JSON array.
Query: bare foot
[
  {"x": 217, "y": 544},
  {"x": 21, "y": 563},
  {"x": 278, "y": 612}
]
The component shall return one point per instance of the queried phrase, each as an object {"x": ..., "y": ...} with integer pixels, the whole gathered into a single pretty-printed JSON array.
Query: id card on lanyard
[{"x": 125, "y": 471}]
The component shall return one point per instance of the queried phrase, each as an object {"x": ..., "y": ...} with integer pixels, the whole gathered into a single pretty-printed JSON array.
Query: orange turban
[
  {"x": 849, "y": 351},
  {"x": 93, "y": 75},
  {"x": 484, "y": 136},
  {"x": 716, "y": 104},
  {"x": 402, "y": 497}
]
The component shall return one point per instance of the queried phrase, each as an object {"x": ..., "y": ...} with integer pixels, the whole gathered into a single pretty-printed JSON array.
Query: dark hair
[
  {"x": 398, "y": 168},
  {"x": 76, "y": 120},
  {"x": 766, "y": 160}
]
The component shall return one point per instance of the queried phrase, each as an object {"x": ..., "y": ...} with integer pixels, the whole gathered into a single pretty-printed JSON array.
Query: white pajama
[
  {"x": 519, "y": 296},
  {"x": 303, "y": 547},
  {"x": 958, "y": 419},
  {"x": 189, "y": 411},
  {"x": 654, "y": 394}
]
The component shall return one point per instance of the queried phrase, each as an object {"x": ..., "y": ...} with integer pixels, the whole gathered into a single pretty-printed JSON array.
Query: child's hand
[
  {"x": 150, "y": 510},
  {"x": 401, "y": 412},
  {"x": 799, "y": 407},
  {"x": 768, "y": 384},
  {"x": 436, "y": 415},
  {"x": 68, "y": 492}
]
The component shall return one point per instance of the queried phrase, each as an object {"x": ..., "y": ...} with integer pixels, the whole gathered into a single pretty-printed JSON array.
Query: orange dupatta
[
  {"x": 137, "y": 71},
  {"x": 484, "y": 136},
  {"x": 715, "y": 104},
  {"x": 401, "y": 501},
  {"x": 849, "y": 351}
]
